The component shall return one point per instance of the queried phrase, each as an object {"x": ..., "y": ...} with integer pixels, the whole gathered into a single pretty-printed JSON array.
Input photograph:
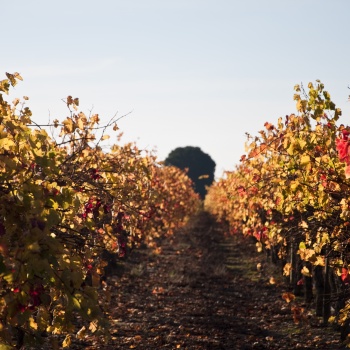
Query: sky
[{"x": 185, "y": 72}]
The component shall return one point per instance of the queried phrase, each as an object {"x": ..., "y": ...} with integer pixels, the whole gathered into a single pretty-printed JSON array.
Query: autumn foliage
[
  {"x": 66, "y": 197},
  {"x": 291, "y": 191}
]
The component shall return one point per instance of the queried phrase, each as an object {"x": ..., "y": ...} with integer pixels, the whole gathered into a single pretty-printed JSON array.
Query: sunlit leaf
[
  {"x": 305, "y": 160},
  {"x": 67, "y": 341},
  {"x": 288, "y": 297},
  {"x": 81, "y": 333}
]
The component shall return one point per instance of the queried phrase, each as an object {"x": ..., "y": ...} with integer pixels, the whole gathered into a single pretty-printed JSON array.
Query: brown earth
[{"x": 202, "y": 290}]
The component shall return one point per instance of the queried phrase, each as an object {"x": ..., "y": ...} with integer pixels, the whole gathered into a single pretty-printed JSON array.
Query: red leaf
[
  {"x": 300, "y": 282},
  {"x": 345, "y": 275}
]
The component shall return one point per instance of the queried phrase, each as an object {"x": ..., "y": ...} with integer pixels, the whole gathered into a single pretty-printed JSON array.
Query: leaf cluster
[
  {"x": 65, "y": 199},
  {"x": 291, "y": 186}
]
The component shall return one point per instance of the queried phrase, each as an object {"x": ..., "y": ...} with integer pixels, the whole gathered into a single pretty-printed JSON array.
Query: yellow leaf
[
  {"x": 12, "y": 79},
  {"x": 4, "y": 86},
  {"x": 8, "y": 277},
  {"x": 17, "y": 76},
  {"x": 6, "y": 143},
  {"x": 93, "y": 327},
  {"x": 319, "y": 261},
  {"x": 347, "y": 171},
  {"x": 32, "y": 323},
  {"x": 67, "y": 341},
  {"x": 307, "y": 254},
  {"x": 258, "y": 247},
  {"x": 290, "y": 149},
  {"x": 332, "y": 319},
  {"x": 302, "y": 144},
  {"x": 34, "y": 247},
  {"x": 53, "y": 204},
  {"x": 288, "y": 297},
  {"x": 81, "y": 333},
  {"x": 305, "y": 160},
  {"x": 299, "y": 105},
  {"x": 305, "y": 271},
  {"x": 105, "y": 137},
  {"x": 294, "y": 185},
  {"x": 287, "y": 269},
  {"x": 80, "y": 124},
  {"x": 304, "y": 224},
  {"x": 68, "y": 125}
]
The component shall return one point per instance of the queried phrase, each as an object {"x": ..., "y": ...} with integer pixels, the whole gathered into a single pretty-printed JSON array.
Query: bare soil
[{"x": 202, "y": 289}]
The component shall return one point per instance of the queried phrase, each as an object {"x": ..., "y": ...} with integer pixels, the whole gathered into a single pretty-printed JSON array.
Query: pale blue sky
[{"x": 193, "y": 72}]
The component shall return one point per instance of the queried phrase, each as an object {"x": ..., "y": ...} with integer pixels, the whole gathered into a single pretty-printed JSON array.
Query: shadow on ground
[{"x": 201, "y": 290}]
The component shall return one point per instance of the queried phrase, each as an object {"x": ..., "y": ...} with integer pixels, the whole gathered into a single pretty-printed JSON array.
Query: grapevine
[
  {"x": 291, "y": 192},
  {"x": 66, "y": 199}
]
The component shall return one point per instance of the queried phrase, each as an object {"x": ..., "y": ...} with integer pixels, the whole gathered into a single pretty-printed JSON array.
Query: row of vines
[
  {"x": 68, "y": 200},
  {"x": 291, "y": 191}
]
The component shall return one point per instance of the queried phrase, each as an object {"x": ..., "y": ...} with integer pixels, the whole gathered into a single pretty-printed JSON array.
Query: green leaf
[
  {"x": 8, "y": 277},
  {"x": 52, "y": 217},
  {"x": 302, "y": 245}
]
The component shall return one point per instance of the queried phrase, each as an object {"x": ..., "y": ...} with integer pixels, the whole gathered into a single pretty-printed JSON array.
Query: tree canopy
[{"x": 201, "y": 167}]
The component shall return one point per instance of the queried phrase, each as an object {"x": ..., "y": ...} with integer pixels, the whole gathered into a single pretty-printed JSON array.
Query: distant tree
[{"x": 201, "y": 167}]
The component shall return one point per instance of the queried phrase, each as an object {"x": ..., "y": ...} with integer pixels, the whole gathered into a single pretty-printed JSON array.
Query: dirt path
[{"x": 201, "y": 290}]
